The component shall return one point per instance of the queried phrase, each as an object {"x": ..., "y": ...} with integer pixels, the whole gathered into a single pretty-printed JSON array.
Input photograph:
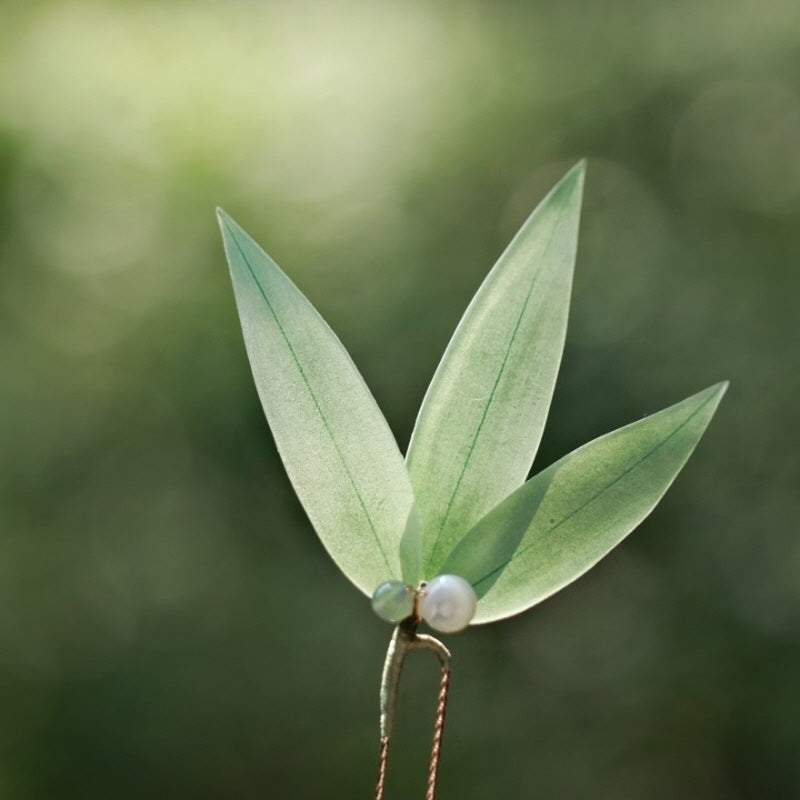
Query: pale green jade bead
[
  {"x": 448, "y": 603},
  {"x": 393, "y": 601}
]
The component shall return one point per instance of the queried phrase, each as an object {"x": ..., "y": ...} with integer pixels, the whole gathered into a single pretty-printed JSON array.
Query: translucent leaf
[
  {"x": 566, "y": 518},
  {"x": 336, "y": 446},
  {"x": 482, "y": 418}
]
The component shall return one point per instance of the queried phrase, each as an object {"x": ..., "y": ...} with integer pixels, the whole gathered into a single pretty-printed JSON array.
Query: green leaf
[
  {"x": 483, "y": 415},
  {"x": 338, "y": 450},
  {"x": 565, "y": 519}
]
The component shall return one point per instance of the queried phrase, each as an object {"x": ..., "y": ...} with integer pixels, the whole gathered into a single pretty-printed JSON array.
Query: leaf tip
[
  {"x": 569, "y": 190},
  {"x": 717, "y": 390},
  {"x": 708, "y": 399},
  {"x": 225, "y": 221},
  {"x": 576, "y": 174}
]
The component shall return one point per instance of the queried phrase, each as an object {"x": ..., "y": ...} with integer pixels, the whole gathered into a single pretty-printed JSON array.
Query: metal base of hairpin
[{"x": 405, "y": 639}]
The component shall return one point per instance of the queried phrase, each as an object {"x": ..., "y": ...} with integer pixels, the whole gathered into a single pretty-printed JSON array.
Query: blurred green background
[{"x": 170, "y": 627}]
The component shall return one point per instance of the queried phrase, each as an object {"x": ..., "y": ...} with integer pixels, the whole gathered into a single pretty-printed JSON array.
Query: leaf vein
[
  {"x": 314, "y": 399},
  {"x": 602, "y": 491},
  {"x": 485, "y": 414}
]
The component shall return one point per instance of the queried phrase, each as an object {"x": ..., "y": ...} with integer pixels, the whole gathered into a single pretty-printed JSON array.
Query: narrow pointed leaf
[
  {"x": 338, "y": 450},
  {"x": 566, "y": 518},
  {"x": 482, "y": 418}
]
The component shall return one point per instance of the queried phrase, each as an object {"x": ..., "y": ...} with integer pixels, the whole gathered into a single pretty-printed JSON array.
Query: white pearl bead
[
  {"x": 448, "y": 603},
  {"x": 393, "y": 601}
]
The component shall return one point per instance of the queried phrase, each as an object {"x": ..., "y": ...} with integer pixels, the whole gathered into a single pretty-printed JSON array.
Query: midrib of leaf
[
  {"x": 602, "y": 491},
  {"x": 485, "y": 414},
  {"x": 313, "y": 396}
]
